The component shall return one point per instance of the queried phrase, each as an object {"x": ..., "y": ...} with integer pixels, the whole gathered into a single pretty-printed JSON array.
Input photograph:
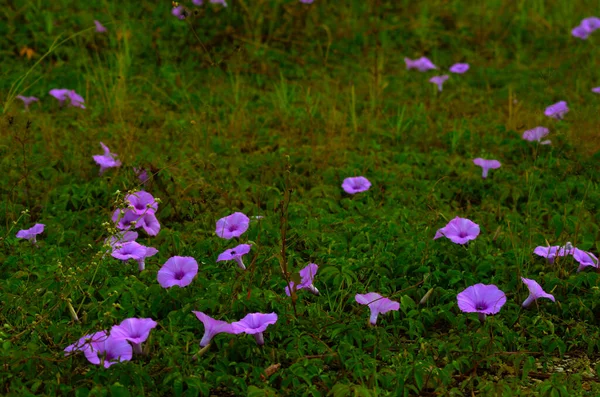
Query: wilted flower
[
  {"x": 106, "y": 160},
  {"x": 232, "y": 226},
  {"x": 108, "y": 351},
  {"x": 85, "y": 342},
  {"x": 422, "y": 64},
  {"x": 584, "y": 258},
  {"x": 134, "y": 330},
  {"x": 486, "y": 165},
  {"x": 62, "y": 94},
  {"x": 178, "y": 270},
  {"x": 459, "y": 68},
  {"x": 459, "y": 231},
  {"x": 142, "y": 202},
  {"x": 99, "y": 27},
  {"x": 356, "y": 184},
  {"x": 235, "y": 254},
  {"x": 27, "y": 100},
  {"x": 536, "y": 134},
  {"x": 255, "y": 324},
  {"x": 535, "y": 292},
  {"x": 136, "y": 251},
  {"x": 439, "y": 81},
  {"x": 307, "y": 276},
  {"x": 377, "y": 303},
  {"x": 31, "y": 233},
  {"x": 482, "y": 299},
  {"x": 557, "y": 111},
  {"x": 212, "y": 327}
]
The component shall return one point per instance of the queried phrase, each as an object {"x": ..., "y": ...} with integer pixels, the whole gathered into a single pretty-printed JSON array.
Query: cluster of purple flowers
[{"x": 424, "y": 64}]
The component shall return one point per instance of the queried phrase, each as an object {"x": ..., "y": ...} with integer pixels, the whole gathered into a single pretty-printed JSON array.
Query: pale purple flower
[
  {"x": 482, "y": 299},
  {"x": 356, "y": 184},
  {"x": 551, "y": 253},
  {"x": 536, "y": 134},
  {"x": 459, "y": 68},
  {"x": 377, "y": 303},
  {"x": 486, "y": 165},
  {"x": 148, "y": 222},
  {"x": 535, "y": 292},
  {"x": 591, "y": 23},
  {"x": 232, "y": 226},
  {"x": 235, "y": 254},
  {"x": 121, "y": 238},
  {"x": 596, "y": 90},
  {"x": 136, "y": 251},
  {"x": 439, "y": 81},
  {"x": 142, "y": 174},
  {"x": 580, "y": 32},
  {"x": 62, "y": 94},
  {"x": 106, "y": 160},
  {"x": 422, "y": 64},
  {"x": 178, "y": 270},
  {"x": 180, "y": 12},
  {"x": 212, "y": 327},
  {"x": 108, "y": 351},
  {"x": 307, "y": 276},
  {"x": 84, "y": 343},
  {"x": 584, "y": 258},
  {"x": 134, "y": 330},
  {"x": 557, "y": 111},
  {"x": 31, "y": 233},
  {"x": 27, "y": 100},
  {"x": 255, "y": 324},
  {"x": 99, "y": 27},
  {"x": 459, "y": 231},
  {"x": 142, "y": 202}
]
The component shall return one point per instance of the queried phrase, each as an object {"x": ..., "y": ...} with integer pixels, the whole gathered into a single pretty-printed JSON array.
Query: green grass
[{"x": 235, "y": 107}]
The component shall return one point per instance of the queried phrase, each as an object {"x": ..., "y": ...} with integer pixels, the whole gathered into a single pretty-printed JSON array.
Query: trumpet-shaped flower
[
  {"x": 106, "y": 160},
  {"x": 552, "y": 252},
  {"x": 482, "y": 299},
  {"x": 535, "y": 292},
  {"x": 557, "y": 111},
  {"x": 121, "y": 238},
  {"x": 439, "y": 81},
  {"x": 99, "y": 27},
  {"x": 536, "y": 134},
  {"x": 586, "y": 27},
  {"x": 486, "y": 165},
  {"x": 27, "y": 100},
  {"x": 134, "y": 330},
  {"x": 136, "y": 251},
  {"x": 422, "y": 64},
  {"x": 377, "y": 303},
  {"x": 459, "y": 68},
  {"x": 459, "y": 231},
  {"x": 307, "y": 276},
  {"x": 31, "y": 233},
  {"x": 356, "y": 184},
  {"x": 212, "y": 327},
  {"x": 178, "y": 270},
  {"x": 596, "y": 90},
  {"x": 255, "y": 324},
  {"x": 232, "y": 226},
  {"x": 584, "y": 258},
  {"x": 141, "y": 202},
  {"x": 130, "y": 219},
  {"x": 108, "y": 351},
  {"x": 235, "y": 254},
  {"x": 180, "y": 12},
  {"x": 85, "y": 342},
  {"x": 63, "y": 94}
]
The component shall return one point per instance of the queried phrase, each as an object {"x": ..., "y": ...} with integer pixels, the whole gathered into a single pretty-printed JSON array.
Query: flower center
[
  {"x": 481, "y": 306},
  {"x": 463, "y": 234},
  {"x": 233, "y": 228},
  {"x": 179, "y": 275},
  {"x": 232, "y": 252}
]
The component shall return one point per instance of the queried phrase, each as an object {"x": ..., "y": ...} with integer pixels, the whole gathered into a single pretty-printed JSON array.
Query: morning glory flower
[
  {"x": 99, "y": 27},
  {"x": 596, "y": 90},
  {"x": 422, "y": 64},
  {"x": 557, "y": 111},
  {"x": 212, "y": 327},
  {"x": 106, "y": 160},
  {"x": 180, "y": 12},
  {"x": 84, "y": 343},
  {"x": 31, "y": 233},
  {"x": 459, "y": 231},
  {"x": 377, "y": 303},
  {"x": 307, "y": 276},
  {"x": 550, "y": 252},
  {"x": 148, "y": 222},
  {"x": 232, "y": 226},
  {"x": 142, "y": 174},
  {"x": 178, "y": 270},
  {"x": 62, "y": 94},
  {"x": 108, "y": 351},
  {"x": 535, "y": 292},
  {"x": 584, "y": 258},
  {"x": 486, "y": 165},
  {"x": 439, "y": 81},
  {"x": 121, "y": 238},
  {"x": 586, "y": 27},
  {"x": 27, "y": 100},
  {"x": 356, "y": 184},
  {"x": 536, "y": 134},
  {"x": 459, "y": 68},
  {"x": 235, "y": 254},
  {"x": 580, "y": 32},
  {"x": 255, "y": 324},
  {"x": 136, "y": 251},
  {"x": 142, "y": 202},
  {"x": 482, "y": 299},
  {"x": 134, "y": 330}
]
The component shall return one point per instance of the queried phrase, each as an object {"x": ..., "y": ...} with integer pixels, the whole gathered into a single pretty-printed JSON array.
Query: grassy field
[{"x": 264, "y": 107}]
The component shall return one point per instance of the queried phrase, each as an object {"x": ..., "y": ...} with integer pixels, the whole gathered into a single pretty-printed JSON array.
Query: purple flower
[
  {"x": 550, "y": 252},
  {"x": 535, "y": 292},
  {"x": 255, "y": 324},
  {"x": 307, "y": 1},
  {"x": 148, "y": 221},
  {"x": 482, "y": 299},
  {"x": 62, "y": 94},
  {"x": 84, "y": 343},
  {"x": 439, "y": 80},
  {"x": 150, "y": 224},
  {"x": 180, "y": 12},
  {"x": 99, "y": 27},
  {"x": 232, "y": 226},
  {"x": 486, "y": 165},
  {"x": 121, "y": 238},
  {"x": 557, "y": 111},
  {"x": 584, "y": 258},
  {"x": 356, "y": 184},
  {"x": 580, "y": 32},
  {"x": 596, "y": 90},
  {"x": 142, "y": 202},
  {"x": 307, "y": 276},
  {"x": 106, "y": 160},
  {"x": 134, "y": 330},
  {"x": 536, "y": 134},
  {"x": 591, "y": 24},
  {"x": 459, "y": 68},
  {"x": 178, "y": 270},
  {"x": 459, "y": 231},
  {"x": 133, "y": 250},
  {"x": 27, "y": 100},
  {"x": 31, "y": 233},
  {"x": 235, "y": 254},
  {"x": 377, "y": 303},
  {"x": 212, "y": 327},
  {"x": 422, "y": 64},
  {"x": 142, "y": 175},
  {"x": 108, "y": 351}
]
